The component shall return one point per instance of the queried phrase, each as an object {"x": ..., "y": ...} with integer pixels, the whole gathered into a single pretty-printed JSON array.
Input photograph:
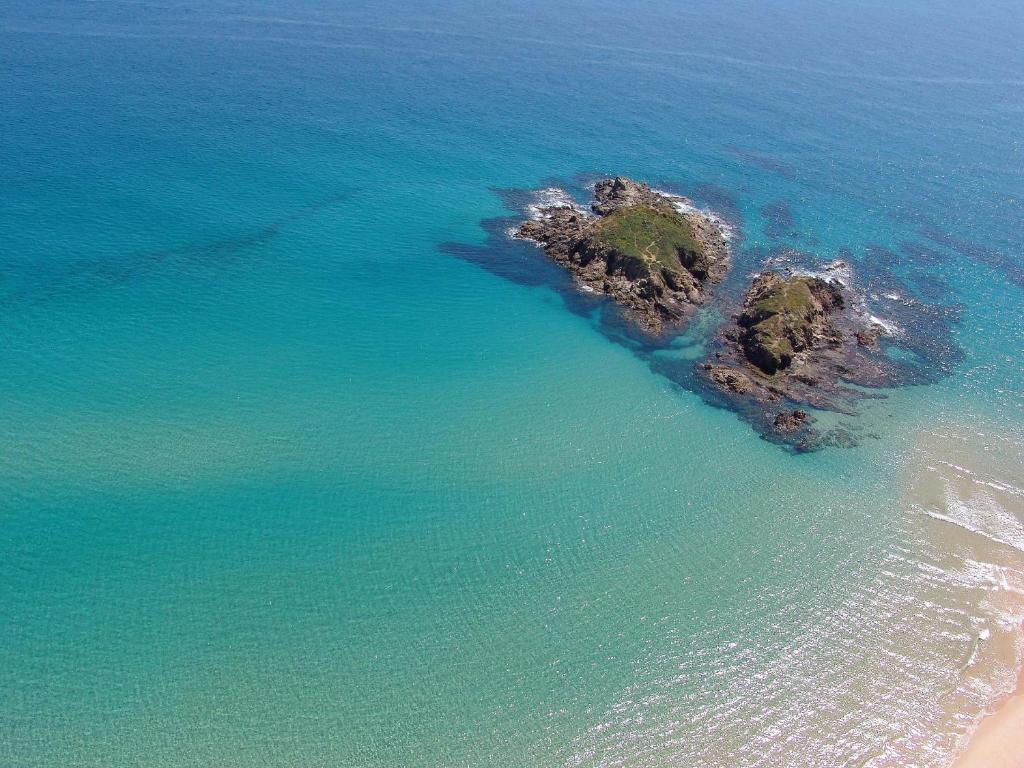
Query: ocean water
[{"x": 300, "y": 468}]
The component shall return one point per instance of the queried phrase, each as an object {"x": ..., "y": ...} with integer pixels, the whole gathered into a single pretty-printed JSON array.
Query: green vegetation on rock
[
  {"x": 647, "y": 234},
  {"x": 791, "y": 297},
  {"x": 779, "y": 319}
]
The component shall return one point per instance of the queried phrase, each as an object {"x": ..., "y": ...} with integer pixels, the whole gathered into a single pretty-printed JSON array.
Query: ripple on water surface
[{"x": 895, "y": 672}]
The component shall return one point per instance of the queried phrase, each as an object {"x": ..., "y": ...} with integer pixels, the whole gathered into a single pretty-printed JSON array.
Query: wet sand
[
  {"x": 969, "y": 489},
  {"x": 999, "y": 740}
]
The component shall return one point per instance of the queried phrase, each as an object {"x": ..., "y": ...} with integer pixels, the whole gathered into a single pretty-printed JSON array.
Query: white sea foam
[
  {"x": 982, "y": 514},
  {"x": 975, "y": 650},
  {"x": 540, "y": 207},
  {"x": 869, "y": 318},
  {"x": 838, "y": 271},
  {"x": 966, "y": 522},
  {"x": 842, "y": 273},
  {"x": 978, "y": 479},
  {"x": 687, "y": 207},
  {"x": 891, "y": 328},
  {"x": 552, "y": 197}
]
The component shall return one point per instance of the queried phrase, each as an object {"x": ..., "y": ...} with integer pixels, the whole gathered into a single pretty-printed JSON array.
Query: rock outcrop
[
  {"x": 782, "y": 318},
  {"x": 788, "y": 422},
  {"x": 797, "y": 343},
  {"x": 654, "y": 254},
  {"x": 797, "y": 340}
]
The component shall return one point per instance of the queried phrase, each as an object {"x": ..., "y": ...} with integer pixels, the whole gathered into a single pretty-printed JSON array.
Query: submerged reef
[{"x": 653, "y": 253}]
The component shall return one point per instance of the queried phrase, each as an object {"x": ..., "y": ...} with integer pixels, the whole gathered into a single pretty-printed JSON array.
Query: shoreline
[
  {"x": 968, "y": 493},
  {"x": 998, "y": 741}
]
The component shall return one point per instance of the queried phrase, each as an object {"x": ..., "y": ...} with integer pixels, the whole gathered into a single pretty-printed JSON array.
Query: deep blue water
[{"x": 285, "y": 481}]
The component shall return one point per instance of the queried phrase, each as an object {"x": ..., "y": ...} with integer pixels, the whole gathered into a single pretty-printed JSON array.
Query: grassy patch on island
[
  {"x": 641, "y": 232},
  {"x": 777, "y": 322},
  {"x": 792, "y": 297}
]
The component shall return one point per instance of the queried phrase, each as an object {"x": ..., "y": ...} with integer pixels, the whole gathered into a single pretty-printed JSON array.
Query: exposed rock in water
[
  {"x": 798, "y": 340},
  {"x": 790, "y": 421},
  {"x": 869, "y": 338},
  {"x": 654, "y": 254},
  {"x": 804, "y": 338},
  {"x": 782, "y": 318},
  {"x": 730, "y": 379}
]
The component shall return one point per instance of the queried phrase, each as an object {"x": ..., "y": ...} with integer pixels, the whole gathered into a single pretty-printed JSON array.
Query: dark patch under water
[
  {"x": 1008, "y": 266},
  {"x": 928, "y": 285},
  {"x": 922, "y": 254},
  {"x": 71, "y": 278},
  {"x": 780, "y": 221},
  {"x": 764, "y": 162},
  {"x": 915, "y": 266}
]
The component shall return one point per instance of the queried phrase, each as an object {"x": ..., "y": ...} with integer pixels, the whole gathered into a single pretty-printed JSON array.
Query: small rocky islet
[
  {"x": 798, "y": 340},
  {"x": 794, "y": 340},
  {"x": 647, "y": 250}
]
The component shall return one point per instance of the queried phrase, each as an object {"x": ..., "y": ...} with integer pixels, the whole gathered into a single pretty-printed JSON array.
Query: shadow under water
[
  {"x": 38, "y": 285},
  {"x": 763, "y": 161}
]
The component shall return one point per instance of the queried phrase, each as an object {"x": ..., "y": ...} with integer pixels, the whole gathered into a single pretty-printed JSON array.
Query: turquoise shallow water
[{"x": 287, "y": 483}]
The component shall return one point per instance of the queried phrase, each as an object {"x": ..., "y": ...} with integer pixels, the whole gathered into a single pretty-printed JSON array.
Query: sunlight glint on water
[{"x": 285, "y": 483}]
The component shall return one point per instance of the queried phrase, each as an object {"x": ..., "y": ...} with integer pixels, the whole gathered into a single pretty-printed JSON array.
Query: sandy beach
[
  {"x": 999, "y": 740},
  {"x": 967, "y": 486}
]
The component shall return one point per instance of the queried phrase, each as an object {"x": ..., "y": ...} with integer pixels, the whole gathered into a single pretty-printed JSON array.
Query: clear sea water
[{"x": 285, "y": 482}]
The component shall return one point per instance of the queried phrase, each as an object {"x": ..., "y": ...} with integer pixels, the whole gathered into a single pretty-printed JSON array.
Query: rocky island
[
  {"x": 798, "y": 340},
  {"x": 651, "y": 252}
]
